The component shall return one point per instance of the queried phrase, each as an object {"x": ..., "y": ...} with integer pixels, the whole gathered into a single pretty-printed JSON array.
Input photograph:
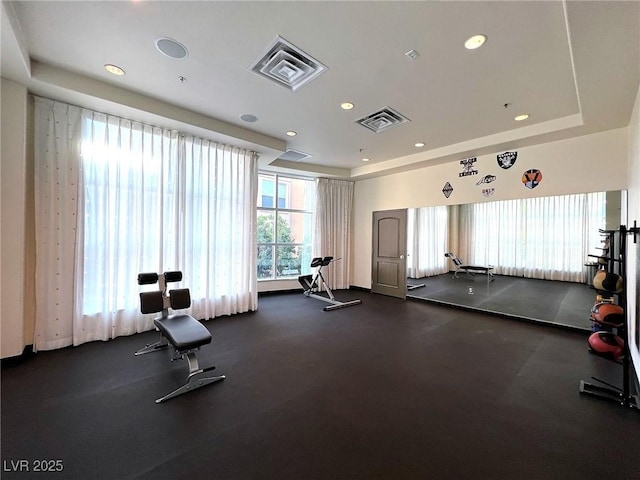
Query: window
[
  {"x": 158, "y": 200},
  {"x": 285, "y": 226}
]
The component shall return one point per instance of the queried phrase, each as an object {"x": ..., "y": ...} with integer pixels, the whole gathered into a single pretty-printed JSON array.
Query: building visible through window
[{"x": 285, "y": 225}]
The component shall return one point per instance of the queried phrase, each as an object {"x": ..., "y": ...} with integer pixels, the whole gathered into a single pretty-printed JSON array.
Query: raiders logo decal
[
  {"x": 447, "y": 189},
  {"x": 467, "y": 167},
  {"x": 532, "y": 178},
  {"x": 507, "y": 159}
]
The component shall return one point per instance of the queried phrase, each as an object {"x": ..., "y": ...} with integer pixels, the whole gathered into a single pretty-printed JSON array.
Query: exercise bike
[{"x": 311, "y": 285}]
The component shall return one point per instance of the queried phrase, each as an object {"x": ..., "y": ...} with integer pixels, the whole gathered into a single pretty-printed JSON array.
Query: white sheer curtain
[
  {"x": 427, "y": 233},
  {"x": 548, "y": 238},
  {"x": 334, "y": 202},
  {"x": 149, "y": 200},
  {"x": 56, "y": 185}
]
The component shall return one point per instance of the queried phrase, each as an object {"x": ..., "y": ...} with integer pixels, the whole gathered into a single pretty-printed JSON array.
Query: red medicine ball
[
  {"x": 606, "y": 313},
  {"x": 606, "y": 343}
]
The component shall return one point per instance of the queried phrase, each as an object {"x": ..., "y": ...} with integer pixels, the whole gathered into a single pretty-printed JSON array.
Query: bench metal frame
[
  {"x": 311, "y": 286},
  {"x": 159, "y": 301}
]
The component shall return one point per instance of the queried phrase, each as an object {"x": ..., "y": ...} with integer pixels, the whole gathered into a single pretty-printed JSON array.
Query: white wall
[
  {"x": 13, "y": 121},
  {"x": 590, "y": 163},
  {"x": 633, "y": 283}
]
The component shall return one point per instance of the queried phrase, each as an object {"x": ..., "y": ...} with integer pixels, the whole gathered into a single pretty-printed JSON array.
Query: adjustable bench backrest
[
  {"x": 180, "y": 298},
  {"x": 456, "y": 261},
  {"x": 182, "y": 330},
  {"x": 151, "y": 302}
]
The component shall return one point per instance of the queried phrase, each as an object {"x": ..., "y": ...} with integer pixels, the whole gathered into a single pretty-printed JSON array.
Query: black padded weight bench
[
  {"x": 182, "y": 332},
  {"x": 469, "y": 269}
]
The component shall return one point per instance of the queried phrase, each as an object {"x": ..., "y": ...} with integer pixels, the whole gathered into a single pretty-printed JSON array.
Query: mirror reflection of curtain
[
  {"x": 427, "y": 234},
  {"x": 115, "y": 198},
  {"x": 548, "y": 238},
  {"x": 334, "y": 206}
]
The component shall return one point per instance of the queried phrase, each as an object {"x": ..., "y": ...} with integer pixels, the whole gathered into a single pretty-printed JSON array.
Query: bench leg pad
[
  {"x": 153, "y": 347},
  {"x": 196, "y": 379}
]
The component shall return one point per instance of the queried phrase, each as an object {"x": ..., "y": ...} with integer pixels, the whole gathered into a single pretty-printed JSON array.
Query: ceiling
[{"x": 573, "y": 67}]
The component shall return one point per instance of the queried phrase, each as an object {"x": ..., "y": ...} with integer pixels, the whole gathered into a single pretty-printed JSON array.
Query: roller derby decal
[
  {"x": 467, "y": 167},
  {"x": 532, "y": 178},
  {"x": 507, "y": 159},
  {"x": 487, "y": 192},
  {"x": 447, "y": 190}
]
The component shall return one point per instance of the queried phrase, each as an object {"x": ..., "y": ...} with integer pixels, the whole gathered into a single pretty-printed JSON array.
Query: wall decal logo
[
  {"x": 507, "y": 159},
  {"x": 488, "y": 192},
  {"x": 532, "y": 178},
  {"x": 486, "y": 179},
  {"x": 467, "y": 167},
  {"x": 447, "y": 189}
]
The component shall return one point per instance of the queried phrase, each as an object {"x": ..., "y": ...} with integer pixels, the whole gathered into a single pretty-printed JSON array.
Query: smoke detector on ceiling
[
  {"x": 382, "y": 120},
  {"x": 287, "y": 65}
]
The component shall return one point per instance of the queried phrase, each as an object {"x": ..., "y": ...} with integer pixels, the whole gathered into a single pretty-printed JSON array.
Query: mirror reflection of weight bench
[{"x": 469, "y": 269}]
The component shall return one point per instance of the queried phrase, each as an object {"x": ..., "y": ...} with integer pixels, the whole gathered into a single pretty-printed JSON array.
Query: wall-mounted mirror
[{"x": 537, "y": 256}]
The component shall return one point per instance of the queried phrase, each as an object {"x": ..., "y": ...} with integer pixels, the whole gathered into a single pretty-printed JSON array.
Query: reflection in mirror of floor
[{"x": 564, "y": 304}]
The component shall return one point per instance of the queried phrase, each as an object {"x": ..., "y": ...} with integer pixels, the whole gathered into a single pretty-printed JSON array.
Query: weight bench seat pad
[
  {"x": 476, "y": 268},
  {"x": 183, "y": 331}
]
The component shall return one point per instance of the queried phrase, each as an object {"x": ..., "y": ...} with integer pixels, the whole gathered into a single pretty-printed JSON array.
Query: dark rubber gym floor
[
  {"x": 564, "y": 304},
  {"x": 389, "y": 389}
]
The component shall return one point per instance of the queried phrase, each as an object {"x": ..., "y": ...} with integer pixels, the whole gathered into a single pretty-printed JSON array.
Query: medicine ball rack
[{"x": 617, "y": 242}]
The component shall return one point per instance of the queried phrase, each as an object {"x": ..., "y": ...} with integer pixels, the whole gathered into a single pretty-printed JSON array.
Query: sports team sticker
[
  {"x": 532, "y": 178},
  {"x": 486, "y": 179},
  {"x": 507, "y": 159},
  {"x": 447, "y": 189},
  {"x": 467, "y": 167}
]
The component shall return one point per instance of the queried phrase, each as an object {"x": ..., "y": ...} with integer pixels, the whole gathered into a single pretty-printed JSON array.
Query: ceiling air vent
[
  {"x": 293, "y": 155},
  {"x": 382, "y": 120},
  {"x": 287, "y": 65}
]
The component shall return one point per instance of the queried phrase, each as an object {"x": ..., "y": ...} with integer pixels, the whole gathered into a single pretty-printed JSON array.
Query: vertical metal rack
[{"x": 616, "y": 263}]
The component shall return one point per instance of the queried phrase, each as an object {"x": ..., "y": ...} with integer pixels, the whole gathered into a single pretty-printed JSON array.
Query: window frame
[{"x": 276, "y": 211}]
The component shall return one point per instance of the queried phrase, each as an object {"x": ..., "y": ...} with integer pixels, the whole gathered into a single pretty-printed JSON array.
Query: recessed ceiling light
[
  {"x": 246, "y": 117},
  {"x": 475, "y": 42},
  {"x": 346, "y": 105},
  {"x": 291, "y": 133},
  {"x": 171, "y": 48},
  {"x": 419, "y": 145},
  {"x": 522, "y": 117},
  {"x": 116, "y": 70},
  {"x": 366, "y": 159}
]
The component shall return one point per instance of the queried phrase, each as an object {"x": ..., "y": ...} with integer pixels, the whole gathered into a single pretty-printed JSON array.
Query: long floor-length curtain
[
  {"x": 548, "y": 237},
  {"x": 148, "y": 200},
  {"x": 57, "y": 171},
  {"x": 217, "y": 240},
  {"x": 334, "y": 205},
  {"x": 427, "y": 234}
]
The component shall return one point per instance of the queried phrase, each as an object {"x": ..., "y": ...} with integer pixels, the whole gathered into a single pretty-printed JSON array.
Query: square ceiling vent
[
  {"x": 382, "y": 120},
  {"x": 287, "y": 65},
  {"x": 292, "y": 155}
]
